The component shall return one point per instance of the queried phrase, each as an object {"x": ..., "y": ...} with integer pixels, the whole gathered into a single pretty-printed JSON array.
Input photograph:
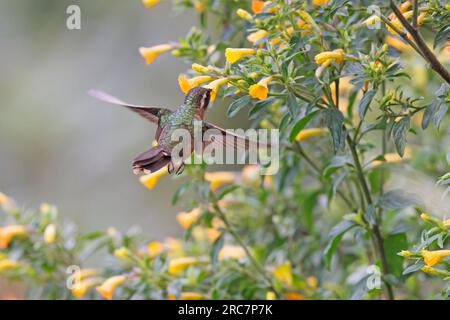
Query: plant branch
[
  {"x": 427, "y": 53},
  {"x": 238, "y": 239}
]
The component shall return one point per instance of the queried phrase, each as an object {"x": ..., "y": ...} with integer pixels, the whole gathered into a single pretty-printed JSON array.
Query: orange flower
[
  {"x": 106, "y": 290},
  {"x": 257, "y": 6},
  {"x": 186, "y": 219},
  {"x": 9, "y": 232},
  {"x": 319, "y": 2},
  {"x": 398, "y": 44},
  {"x": 294, "y": 296}
]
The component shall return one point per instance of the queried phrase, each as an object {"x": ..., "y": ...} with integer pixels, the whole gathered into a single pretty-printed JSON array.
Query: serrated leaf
[
  {"x": 365, "y": 102},
  {"x": 399, "y": 132},
  {"x": 237, "y": 105}
]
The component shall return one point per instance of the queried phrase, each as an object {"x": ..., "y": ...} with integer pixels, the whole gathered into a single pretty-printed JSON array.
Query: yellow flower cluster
[{"x": 7, "y": 233}]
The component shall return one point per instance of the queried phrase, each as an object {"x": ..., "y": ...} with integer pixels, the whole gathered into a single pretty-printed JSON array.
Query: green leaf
[
  {"x": 439, "y": 114},
  {"x": 334, "y": 120},
  {"x": 226, "y": 190},
  {"x": 399, "y": 131},
  {"x": 300, "y": 125},
  {"x": 442, "y": 35},
  {"x": 237, "y": 105},
  {"x": 370, "y": 215},
  {"x": 292, "y": 104},
  {"x": 365, "y": 102},
  {"x": 429, "y": 112},
  {"x": 396, "y": 199},
  {"x": 180, "y": 191},
  {"x": 336, "y": 235},
  {"x": 307, "y": 209},
  {"x": 217, "y": 245},
  {"x": 413, "y": 268},
  {"x": 393, "y": 244}
]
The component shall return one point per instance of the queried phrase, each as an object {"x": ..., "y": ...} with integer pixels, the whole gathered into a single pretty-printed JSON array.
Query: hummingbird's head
[{"x": 198, "y": 97}]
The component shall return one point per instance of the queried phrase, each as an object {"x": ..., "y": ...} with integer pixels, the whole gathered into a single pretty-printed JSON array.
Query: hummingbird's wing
[
  {"x": 228, "y": 138},
  {"x": 151, "y": 113}
]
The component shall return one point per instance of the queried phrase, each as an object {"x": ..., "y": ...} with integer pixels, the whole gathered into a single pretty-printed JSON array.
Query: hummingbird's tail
[{"x": 151, "y": 160}]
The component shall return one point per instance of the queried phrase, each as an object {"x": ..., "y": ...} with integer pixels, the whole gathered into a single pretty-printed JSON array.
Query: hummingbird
[{"x": 193, "y": 109}]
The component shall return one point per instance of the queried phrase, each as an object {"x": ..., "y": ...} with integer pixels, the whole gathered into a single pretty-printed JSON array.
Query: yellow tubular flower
[
  {"x": 50, "y": 233},
  {"x": 260, "y": 89},
  {"x": 231, "y": 252},
  {"x": 308, "y": 133},
  {"x": 337, "y": 55},
  {"x": 122, "y": 253},
  {"x": 270, "y": 295},
  {"x": 174, "y": 247},
  {"x": 257, "y": 35},
  {"x": 398, "y": 44},
  {"x": 150, "y": 53},
  {"x": 283, "y": 273},
  {"x": 199, "y": 68},
  {"x": 312, "y": 282},
  {"x": 405, "y": 253},
  {"x": 86, "y": 273},
  {"x": 9, "y": 232},
  {"x": 319, "y": 2},
  {"x": 179, "y": 264},
  {"x": 234, "y": 54},
  {"x": 244, "y": 14},
  {"x": 294, "y": 296},
  {"x": 371, "y": 20},
  {"x": 446, "y": 223},
  {"x": 79, "y": 289},
  {"x": 199, "y": 5},
  {"x": 396, "y": 24},
  {"x": 215, "y": 85},
  {"x": 219, "y": 178},
  {"x": 149, "y": 3},
  {"x": 151, "y": 179},
  {"x": 186, "y": 219},
  {"x": 212, "y": 234},
  {"x": 45, "y": 207},
  {"x": 187, "y": 296},
  {"x": 154, "y": 248},
  {"x": 7, "y": 264},
  {"x": 404, "y": 6},
  {"x": 188, "y": 84},
  {"x": 3, "y": 198},
  {"x": 421, "y": 17},
  {"x": 106, "y": 290},
  {"x": 433, "y": 257}
]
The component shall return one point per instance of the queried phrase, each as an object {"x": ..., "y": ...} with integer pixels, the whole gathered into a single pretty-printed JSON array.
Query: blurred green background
[{"x": 59, "y": 145}]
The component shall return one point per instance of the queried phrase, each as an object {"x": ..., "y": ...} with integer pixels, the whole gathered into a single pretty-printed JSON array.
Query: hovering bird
[{"x": 193, "y": 109}]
